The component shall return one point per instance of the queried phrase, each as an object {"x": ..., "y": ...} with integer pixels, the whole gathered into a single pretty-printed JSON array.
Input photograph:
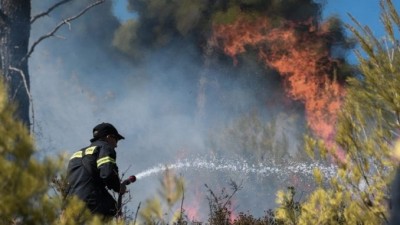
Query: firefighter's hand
[{"x": 122, "y": 189}]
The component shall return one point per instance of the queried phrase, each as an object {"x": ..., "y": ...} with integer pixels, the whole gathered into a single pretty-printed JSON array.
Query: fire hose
[{"x": 126, "y": 182}]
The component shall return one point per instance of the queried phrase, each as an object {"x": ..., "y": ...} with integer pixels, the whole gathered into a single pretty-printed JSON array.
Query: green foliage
[
  {"x": 228, "y": 16},
  {"x": 125, "y": 39},
  {"x": 220, "y": 212},
  {"x": 161, "y": 209},
  {"x": 188, "y": 13},
  {"x": 245, "y": 219},
  {"x": 327, "y": 207},
  {"x": 289, "y": 210},
  {"x": 159, "y": 22},
  {"x": 25, "y": 190},
  {"x": 76, "y": 213},
  {"x": 24, "y": 179}
]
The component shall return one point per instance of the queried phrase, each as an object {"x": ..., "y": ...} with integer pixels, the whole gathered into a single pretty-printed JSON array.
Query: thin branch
[
  {"x": 137, "y": 211},
  {"x": 28, "y": 93},
  {"x": 66, "y": 21},
  {"x": 124, "y": 208},
  {"x": 236, "y": 188},
  {"x": 123, "y": 173},
  {"x": 182, "y": 210},
  {"x": 46, "y": 13}
]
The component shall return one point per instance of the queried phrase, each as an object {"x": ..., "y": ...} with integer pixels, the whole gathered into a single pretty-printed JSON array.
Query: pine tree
[
  {"x": 26, "y": 196},
  {"x": 24, "y": 179}
]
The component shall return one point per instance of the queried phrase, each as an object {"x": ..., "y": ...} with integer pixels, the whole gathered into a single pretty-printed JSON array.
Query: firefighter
[{"x": 92, "y": 169}]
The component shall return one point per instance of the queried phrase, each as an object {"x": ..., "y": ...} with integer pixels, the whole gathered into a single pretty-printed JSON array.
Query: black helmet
[{"x": 104, "y": 129}]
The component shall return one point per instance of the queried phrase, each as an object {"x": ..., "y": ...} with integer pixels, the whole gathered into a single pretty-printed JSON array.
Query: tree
[
  {"x": 25, "y": 190},
  {"x": 367, "y": 127},
  {"x": 14, "y": 38},
  {"x": 15, "y": 26}
]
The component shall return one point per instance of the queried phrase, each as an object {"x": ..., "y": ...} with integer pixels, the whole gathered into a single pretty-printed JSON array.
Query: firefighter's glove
[{"x": 122, "y": 189}]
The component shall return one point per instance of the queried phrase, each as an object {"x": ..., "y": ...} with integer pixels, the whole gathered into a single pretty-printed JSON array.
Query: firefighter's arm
[{"x": 108, "y": 170}]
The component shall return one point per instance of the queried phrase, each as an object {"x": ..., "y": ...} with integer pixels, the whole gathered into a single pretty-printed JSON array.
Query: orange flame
[
  {"x": 301, "y": 58},
  {"x": 194, "y": 207}
]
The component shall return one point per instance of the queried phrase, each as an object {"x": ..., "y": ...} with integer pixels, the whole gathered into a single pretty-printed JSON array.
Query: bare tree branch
[
  {"x": 29, "y": 94},
  {"x": 137, "y": 211},
  {"x": 46, "y": 13},
  {"x": 66, "y": 21},
  {"x": 235, "y": 188}
]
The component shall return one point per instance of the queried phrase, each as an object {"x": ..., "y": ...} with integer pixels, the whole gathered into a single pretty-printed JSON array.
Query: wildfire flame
[
  {"x": 194, "y": 211},
  {"x": 301, "y": 58},
  {"x": 192, "y": 208}
]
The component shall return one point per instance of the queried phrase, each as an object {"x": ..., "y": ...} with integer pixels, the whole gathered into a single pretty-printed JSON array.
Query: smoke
[{"x": 170, "y": 90}]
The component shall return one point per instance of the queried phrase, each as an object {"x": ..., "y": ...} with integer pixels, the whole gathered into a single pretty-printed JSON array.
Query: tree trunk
[{"x": 14, "y": 40}]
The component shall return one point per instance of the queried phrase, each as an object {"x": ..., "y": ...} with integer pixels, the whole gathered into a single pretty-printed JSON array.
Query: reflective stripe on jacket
[{"x": 90, "y": 171}]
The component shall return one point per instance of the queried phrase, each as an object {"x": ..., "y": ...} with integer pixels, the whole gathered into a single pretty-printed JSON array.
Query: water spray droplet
[{"x": 241, "y": 166}]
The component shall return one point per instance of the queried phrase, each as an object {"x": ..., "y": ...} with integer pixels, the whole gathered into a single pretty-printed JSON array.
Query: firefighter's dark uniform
[
  {"x": 395, "y": 200},
  {"x": 90, "y": 171}
]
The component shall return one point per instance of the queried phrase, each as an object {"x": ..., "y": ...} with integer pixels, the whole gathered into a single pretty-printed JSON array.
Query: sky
[{"x": 367, "y": 12}]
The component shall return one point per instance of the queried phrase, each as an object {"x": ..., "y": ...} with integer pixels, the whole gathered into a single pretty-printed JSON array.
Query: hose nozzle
[{"x": 130, "y": 180}]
